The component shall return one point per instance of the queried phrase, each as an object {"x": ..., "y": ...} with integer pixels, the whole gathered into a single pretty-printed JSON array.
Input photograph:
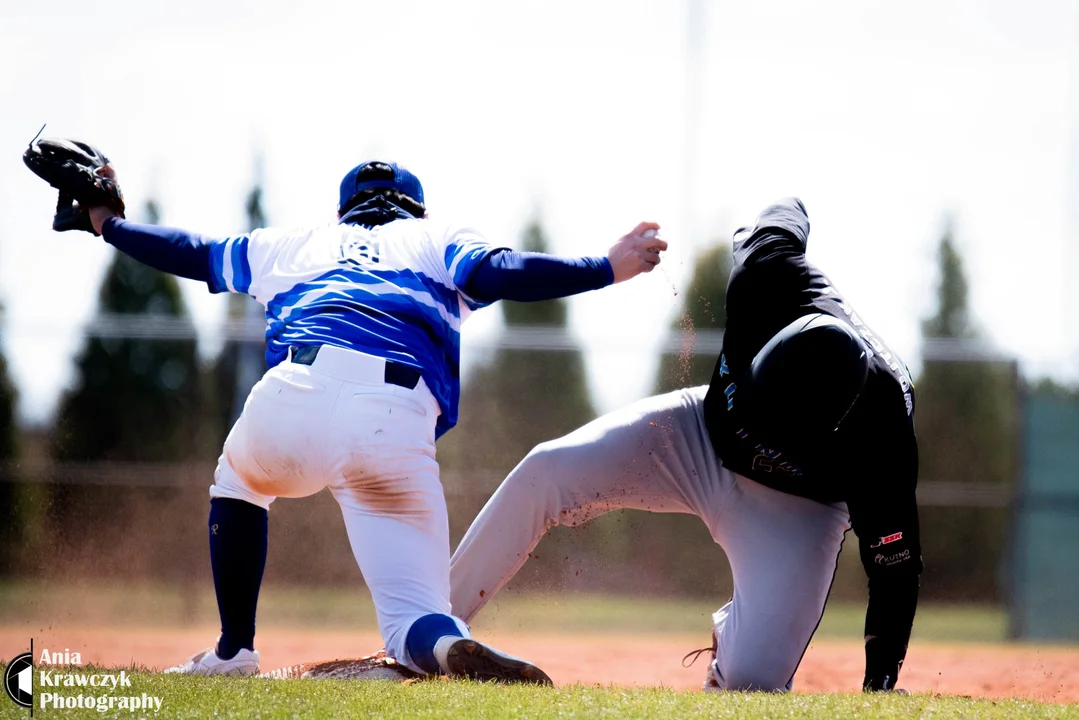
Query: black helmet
[{"x": 805, "y": 379}]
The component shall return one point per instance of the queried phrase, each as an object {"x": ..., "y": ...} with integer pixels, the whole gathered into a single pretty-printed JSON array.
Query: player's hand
[
  {"x": 637, "y": 252},
  {"x": 101, "y": 213}
]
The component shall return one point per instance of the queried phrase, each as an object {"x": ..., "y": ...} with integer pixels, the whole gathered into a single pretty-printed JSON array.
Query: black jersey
[{"x": 870, "y": 462}]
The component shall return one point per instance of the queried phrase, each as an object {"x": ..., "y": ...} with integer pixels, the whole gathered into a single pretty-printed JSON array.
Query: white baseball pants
[
  {"x": 656, "y": 455},
  {"x": 338, "y": 424}
]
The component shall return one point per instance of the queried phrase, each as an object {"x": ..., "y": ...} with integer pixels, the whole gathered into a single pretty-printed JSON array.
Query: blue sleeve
[
  {"x": 181, "y": 253},
  {"x": 464, "y": 254},
  {"x": 529, "y": 277}
]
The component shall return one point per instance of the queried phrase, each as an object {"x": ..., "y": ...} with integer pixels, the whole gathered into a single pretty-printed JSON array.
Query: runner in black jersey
[
  {"x": 805, "y": 430},
  {"x": 860, "y": 450}
]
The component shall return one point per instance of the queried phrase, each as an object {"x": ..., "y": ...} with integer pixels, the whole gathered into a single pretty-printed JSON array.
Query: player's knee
[
  {"x": 544, "y": 462},
  {"x": 544, "y": 480},
  {"x": 744, "y": 676}
]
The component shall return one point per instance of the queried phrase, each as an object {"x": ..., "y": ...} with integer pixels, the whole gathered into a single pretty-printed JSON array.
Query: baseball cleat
[
  {"x": 466, "y": 658},
  {"x": 246, "y": 662},
  {"x": 711, "y": 679}
]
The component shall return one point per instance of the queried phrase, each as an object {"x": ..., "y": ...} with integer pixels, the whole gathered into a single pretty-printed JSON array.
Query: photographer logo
[{"x": 19, "y": 680}]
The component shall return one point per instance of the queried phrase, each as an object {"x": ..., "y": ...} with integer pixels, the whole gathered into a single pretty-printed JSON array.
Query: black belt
[{"x": 396, "y": 373}]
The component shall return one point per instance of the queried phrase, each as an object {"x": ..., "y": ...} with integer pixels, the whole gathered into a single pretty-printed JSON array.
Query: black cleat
[{"x": 471, "y": 659}]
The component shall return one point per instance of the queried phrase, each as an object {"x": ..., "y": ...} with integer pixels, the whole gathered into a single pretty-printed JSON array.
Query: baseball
[{"x": 649, "y": 233}]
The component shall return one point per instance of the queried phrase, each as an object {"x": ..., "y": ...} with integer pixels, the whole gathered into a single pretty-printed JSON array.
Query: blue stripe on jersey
[
  {"x": 217, "y": 267},
  {"x": 241, "y": 267},
  {"x": 379, "y": 282},
  {"x": 461, "y": 260},
  {"x": 229, "y": 267},
  {"x": 403, "y": 316}
]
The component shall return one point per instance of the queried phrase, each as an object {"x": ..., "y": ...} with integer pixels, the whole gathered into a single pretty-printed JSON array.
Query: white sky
[{"x": 883, "y": 117}]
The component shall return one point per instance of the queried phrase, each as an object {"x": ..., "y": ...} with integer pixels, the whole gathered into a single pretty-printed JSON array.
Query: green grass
[
  {"x": 184, "y": 697},
  {"x": 72, "y": 605}
]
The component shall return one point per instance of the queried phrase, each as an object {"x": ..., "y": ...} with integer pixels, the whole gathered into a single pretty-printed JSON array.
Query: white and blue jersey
[{"x": 393, "y": 291}]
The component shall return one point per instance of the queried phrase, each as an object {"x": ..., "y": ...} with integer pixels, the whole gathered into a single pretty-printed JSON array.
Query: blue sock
[
  {"x": 422, "y": 636},
  {"x": 238, "y": 540}
]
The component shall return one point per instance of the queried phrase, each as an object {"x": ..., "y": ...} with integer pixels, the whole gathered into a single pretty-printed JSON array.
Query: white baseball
[{"x": 649, "y": 233}]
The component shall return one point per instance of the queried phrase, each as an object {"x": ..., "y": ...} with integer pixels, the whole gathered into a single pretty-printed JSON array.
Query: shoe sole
[
  {"x": 234, "y": 672},
  {"x": 470, "y": 659}
]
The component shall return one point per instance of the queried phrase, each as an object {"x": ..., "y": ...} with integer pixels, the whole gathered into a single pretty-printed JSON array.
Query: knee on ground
[{"x": 742, "y": 677}]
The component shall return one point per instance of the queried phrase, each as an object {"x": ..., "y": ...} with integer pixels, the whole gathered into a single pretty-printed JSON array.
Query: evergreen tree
[
  {"x": 670, "y": 547},
  {"x": 9, "y": 496},
  {"x": 703, "y": 308},
  {"x": 522, "y": 397},
  {"x": 1051, "y": 388},
  {"x": 241, "y": 362},
  {"x": 133, "y": 400},
  {"x": 8, "y": 398},
  {"x": 514, "y": 402},
  {"x": 952, "y": 319},
  {"x": 967, "y": 433}
]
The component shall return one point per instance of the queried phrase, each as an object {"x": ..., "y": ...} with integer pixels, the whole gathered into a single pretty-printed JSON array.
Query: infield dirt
[{"x": 1047, "y": 674}]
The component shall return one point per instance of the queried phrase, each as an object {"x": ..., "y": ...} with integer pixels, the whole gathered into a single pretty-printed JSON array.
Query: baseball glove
[
  {"x": 372, "y": 667},
  {"x": 81, "y": 173}
]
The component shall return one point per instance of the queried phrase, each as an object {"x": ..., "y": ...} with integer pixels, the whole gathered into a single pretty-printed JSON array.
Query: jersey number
[{"x": 359, "y": 252}]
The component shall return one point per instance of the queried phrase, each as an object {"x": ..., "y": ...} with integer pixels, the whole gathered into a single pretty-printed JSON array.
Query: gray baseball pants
[{"x": 655, "y": 455}]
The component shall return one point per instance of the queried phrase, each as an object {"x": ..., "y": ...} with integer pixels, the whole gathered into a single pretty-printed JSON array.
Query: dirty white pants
[
  {"x": 338, "y": 424},
  {"x": 656, "y": 455}
]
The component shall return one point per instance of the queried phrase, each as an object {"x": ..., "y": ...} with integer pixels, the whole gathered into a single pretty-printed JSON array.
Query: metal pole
[
  {"x": 1071, "y": 220},
  {"x": 696, "y": 19}
]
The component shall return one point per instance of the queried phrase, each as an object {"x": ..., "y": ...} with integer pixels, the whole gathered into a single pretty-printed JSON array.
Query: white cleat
[{"x": 246, "y": 662}]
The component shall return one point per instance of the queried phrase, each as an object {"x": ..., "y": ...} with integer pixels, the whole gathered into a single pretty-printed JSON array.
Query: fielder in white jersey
[{"x": 363, "y": 344}]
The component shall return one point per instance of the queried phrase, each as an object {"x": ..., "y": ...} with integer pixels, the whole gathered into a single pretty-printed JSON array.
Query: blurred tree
[
  {"x": 512, "y": 403},
  {"x": 672, "y": 548},
  {"x": 952, "y": 319},
  {"x": 966, "y": 419},
  {"x": 132, "y": 400},
  {"x": 1048, "y": 386},
  {"x": 521, "y": 397},
  {"x": 240, "y": 363},
  {"x": 9, "y": 506},
  {"x": 703, "y": 308},
  {"x": 8, "y": 398}
]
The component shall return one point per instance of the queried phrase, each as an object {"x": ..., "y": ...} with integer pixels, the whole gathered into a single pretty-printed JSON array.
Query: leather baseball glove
[{"x": 83, "y": 177}]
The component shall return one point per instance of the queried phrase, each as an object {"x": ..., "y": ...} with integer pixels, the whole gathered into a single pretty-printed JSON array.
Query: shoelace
[{"x": 696, "y": 654}]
